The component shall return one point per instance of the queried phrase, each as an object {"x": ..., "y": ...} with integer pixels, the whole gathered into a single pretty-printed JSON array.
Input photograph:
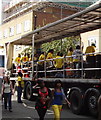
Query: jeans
[
  {"x": 19, "y": 90},
  {"x": 7, "y": 99},
  {"x": 77, "y": 65}
]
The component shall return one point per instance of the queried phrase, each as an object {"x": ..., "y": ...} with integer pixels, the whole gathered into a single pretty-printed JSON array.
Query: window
[
  {"x": 27, "y": 25},
  {"x": 11, "y": 31},
  {"x": 95, "y": 40},
  {"x": 91, "y": 40},
  {"x": 18, "y": 28},
  {"x": 5, "y": 33},
  {"x": 2, "y": 60},
  {"x": 18, "y": 47}
]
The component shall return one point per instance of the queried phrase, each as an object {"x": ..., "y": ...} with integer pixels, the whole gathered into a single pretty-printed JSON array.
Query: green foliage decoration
[{"x": 61, "y": 45}]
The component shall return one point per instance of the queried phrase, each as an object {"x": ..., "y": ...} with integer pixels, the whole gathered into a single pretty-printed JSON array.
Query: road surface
[{"x": 26, "y": 111}]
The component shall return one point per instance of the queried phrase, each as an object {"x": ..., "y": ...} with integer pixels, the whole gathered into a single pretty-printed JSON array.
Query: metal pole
[
  {"x": 61, "y": 45},
  {"x": 81, "y": 59},
  {"x": 45, "y": 66},
  {"x": 36, "y": 70},
  {"x": 33, "y": 37},
  {"x": 35, "y": 21},
  {"x": 1, "y": 6},
  {"x": 82, "y": 66},
  {"x": 61, "y": 18},
  {"x": 64, "y": 67}
]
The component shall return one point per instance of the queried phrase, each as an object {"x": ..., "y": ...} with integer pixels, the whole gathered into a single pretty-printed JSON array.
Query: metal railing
[{"x": 84, "y": 67}]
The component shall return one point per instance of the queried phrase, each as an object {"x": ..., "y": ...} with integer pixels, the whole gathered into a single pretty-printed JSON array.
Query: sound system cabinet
[
  {"x": 93, "y": 62},
  {"x": 98, "y": 65},
  {"x": 90, "y": 63}
]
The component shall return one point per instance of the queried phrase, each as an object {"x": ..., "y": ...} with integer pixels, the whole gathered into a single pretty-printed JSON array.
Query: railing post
[
  {"x": 33, "y": 37},
  {"x": 36, "y": 70},
  {"x": 45, "y": 67},
  {"x": 82, "y": 71},
  {"x": 64, "y": 67}
]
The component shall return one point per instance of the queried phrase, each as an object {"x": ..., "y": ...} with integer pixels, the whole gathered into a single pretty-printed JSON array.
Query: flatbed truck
[{"x": 83, "y": 93}]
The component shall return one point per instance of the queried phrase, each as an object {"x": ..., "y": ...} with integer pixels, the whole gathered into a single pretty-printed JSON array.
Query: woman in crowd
[
  {"x": 43, "y": 100},
  {"x": 58, "y": 97},
  {"x": 7, "y": 91}
]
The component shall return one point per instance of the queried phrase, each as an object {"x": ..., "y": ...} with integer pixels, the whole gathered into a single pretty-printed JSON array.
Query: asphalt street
[{"x": 26, "y": 111}]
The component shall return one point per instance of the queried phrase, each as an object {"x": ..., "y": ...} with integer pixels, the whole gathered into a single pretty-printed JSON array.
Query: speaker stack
[
  {"x": 90, "y": 63},
  {"x": 98, "y": 65}
]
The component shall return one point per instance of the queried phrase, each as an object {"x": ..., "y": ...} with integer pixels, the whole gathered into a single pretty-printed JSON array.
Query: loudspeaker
[
  {"x": 98, "y": 65},
  {"x": 90, "y": 63}
]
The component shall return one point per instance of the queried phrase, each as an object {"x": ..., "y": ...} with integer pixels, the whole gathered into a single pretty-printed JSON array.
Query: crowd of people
[
  {"x": 46, "y": 97},
  {"x": 57, "y": 62}
]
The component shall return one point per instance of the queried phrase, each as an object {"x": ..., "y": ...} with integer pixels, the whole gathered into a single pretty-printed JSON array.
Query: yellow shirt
[
  {"x": 18, "y": 60},
  {"x": 58, "y": 62},
  {"x": 49, "y": 56},
  {"x": 90, "y": 49},
  {"x": 30, "y": 59},
  {"x": 42, "y": 56},
  {"x": 20, "y": 80},
  {"x": 24, "y": 59},
  {"x": 70, "y": 59}
]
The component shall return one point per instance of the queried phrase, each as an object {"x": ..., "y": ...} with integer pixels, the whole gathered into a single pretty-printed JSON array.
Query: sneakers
[
  {"x": 10, "y": 110},
  {"x": 20, "y": 102}
]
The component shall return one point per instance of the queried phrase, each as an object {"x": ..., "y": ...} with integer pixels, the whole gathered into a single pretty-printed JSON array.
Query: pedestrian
[
  {"x": 7, "y": 91},
  {"x": 57, "y": 99},
  {"x": 20, "y": 86},
  {"x": 43, "y": 100}
]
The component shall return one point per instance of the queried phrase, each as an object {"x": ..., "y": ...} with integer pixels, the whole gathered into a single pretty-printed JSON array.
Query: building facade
[{"x": 21, "y": 17}]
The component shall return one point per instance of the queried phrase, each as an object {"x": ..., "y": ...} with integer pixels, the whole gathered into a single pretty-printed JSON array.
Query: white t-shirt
[{"x": 7, "y": 88}]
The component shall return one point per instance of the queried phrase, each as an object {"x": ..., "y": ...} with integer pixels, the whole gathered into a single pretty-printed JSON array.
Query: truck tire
[
  {"x": 29, "y": 93},
  {"x": 99, "y": 108},
  {"x": 92, "y": 102},
  {"x": 76, "y": 101}
]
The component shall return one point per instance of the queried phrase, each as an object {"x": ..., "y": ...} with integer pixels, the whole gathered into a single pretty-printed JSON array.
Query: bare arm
[
  {"x": 3, "y": 87},
  {"x": 11, "y": 87}
]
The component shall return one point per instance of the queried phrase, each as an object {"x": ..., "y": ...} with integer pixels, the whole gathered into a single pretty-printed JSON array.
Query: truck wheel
[
  {"x": 99, "y": 108},
  {"x": 92, "y": 102},
  {"x": 29, "y": 92},
  {"x": 76, "y": 101}
]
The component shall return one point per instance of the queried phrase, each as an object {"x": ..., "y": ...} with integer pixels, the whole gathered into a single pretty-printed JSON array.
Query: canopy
[{"x": 86, "y": 20}]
